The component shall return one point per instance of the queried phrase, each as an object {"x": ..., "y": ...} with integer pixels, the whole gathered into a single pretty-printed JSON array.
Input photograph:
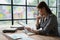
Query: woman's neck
[{"x": 45, "y": 15}]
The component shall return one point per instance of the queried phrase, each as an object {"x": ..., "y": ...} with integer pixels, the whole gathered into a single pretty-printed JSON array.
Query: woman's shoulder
[{"x": 52, "y": 15}]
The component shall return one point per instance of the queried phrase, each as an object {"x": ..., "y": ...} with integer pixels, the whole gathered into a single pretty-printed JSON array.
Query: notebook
[{"x": 21, "y": 36}]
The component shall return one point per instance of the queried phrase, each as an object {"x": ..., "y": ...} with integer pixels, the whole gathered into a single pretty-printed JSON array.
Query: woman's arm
[
  {"x": 35, "y": 31},
  {"x": 50, "y": 25},
  {"x": 45, "y": 29},
  {"x": 37, "y": 22}
]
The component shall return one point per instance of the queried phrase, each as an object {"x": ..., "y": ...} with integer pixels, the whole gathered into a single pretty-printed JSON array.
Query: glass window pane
[
  {"x": 44, "y": 1},
  {"x": 5, "y": 22},
  {"x": 52, "y": 3},
  {"x": 32, "y": 23},
  {"x": 5, "y": 1},
  {"x": 32, "y": 2},
  {"x": 53, "y": 11},
  {"x": 5, "y": 12},
  {"x": 58, "y": 15},
  {"x": 19, "y": 2},
  {"x": 31, "y": 12},
  {"x": 17, "y": 22},
  {"x": 19, "y": 12}
]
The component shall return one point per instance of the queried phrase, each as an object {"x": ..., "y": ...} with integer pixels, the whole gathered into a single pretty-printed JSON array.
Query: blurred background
[{"x": 14, "y": 11}]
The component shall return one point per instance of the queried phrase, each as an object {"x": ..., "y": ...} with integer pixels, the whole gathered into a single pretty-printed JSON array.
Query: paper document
[
  {"x": 16, "y": 26},
  {"x": 28, "y": 25},
  {"x": 25, "y": 30},
  {"x": 24, "y": 24},
  {"x": 20, "y": 36}
]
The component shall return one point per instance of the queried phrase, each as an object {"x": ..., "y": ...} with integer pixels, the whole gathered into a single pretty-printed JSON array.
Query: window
[
  {"x": 19, "y": 12},
  {"x": 52, "y": 3},
  {"x": 5, "y": 12},
  {"x": 17, "y": 22},
  {"x": 22, "y": 10},
  {"x": 5, "y": 22},
  {"x": 46, "y": 1},
  {"x": 31, "y": 12},
  {"x": 19, "y": 2},
  {"x": 5, "y": 1},
  {"x": 32, "y": 2},
  {"x": 53, "y": 11}
]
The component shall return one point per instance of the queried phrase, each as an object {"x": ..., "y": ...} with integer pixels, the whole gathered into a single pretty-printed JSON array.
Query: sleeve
[{"x": 38, "y": 26}]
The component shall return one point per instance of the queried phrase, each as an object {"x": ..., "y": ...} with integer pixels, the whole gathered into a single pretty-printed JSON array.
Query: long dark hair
[{"x": 44, "y": 5}]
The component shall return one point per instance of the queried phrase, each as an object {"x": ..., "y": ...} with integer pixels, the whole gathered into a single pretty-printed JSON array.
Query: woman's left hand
[{"x": 28, "y": 28}]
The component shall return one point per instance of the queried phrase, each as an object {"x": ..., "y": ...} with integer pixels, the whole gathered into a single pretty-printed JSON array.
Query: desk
[{"x": 35, "y": 37}]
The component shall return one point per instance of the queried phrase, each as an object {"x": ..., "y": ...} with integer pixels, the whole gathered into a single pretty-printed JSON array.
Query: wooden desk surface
[{"x": 36, "y": 37}]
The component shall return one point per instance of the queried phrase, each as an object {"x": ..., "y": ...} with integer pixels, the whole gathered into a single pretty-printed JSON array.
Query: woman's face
[{"x": 42, "y": 11}]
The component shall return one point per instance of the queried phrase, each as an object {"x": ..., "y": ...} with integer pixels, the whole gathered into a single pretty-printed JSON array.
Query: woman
[{"x": 46, "y": 24}]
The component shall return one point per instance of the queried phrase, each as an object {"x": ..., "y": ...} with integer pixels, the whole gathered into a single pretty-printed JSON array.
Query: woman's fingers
[
  {"x": 38, "y": 17},
  {"x": 29, "y": 29},
  {"x": 26, "y": 27}
]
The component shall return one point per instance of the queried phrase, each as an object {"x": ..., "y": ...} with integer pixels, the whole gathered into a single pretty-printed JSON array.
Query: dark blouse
[{"x": 49, "y": 26}]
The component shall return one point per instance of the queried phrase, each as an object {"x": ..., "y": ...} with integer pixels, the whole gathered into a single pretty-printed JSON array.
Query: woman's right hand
[
  {"x": 37, "y": 20},
  {"x": 38, "y": 17}
]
